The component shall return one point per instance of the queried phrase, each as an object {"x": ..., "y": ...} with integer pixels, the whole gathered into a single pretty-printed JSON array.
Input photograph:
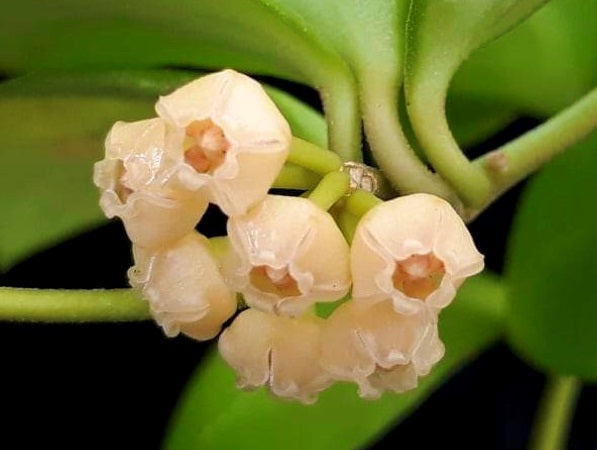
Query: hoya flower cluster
[{"x": 221, "y": 140}]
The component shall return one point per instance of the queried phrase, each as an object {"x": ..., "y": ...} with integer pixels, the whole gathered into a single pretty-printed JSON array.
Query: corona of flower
[
  {"x": 228, "y": 132},
  {"x": 415, "y": 250},
  {"x": 281, "y": 353},
  {"x": 286, "y": 254},
  {"x": 378, "y": 348},
  {"x": 183, "y": 285},
  {"x": 153, "y": 214}
]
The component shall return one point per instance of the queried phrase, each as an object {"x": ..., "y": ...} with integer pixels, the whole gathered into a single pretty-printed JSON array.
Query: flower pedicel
[{"x": 220, "y": 138}]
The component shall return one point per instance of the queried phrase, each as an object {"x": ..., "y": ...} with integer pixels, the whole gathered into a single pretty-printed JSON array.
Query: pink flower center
[
  {"x": 418, "y": 275},
  {"x": 274, "y": 281},
  {"x": 208, "y": 146}
]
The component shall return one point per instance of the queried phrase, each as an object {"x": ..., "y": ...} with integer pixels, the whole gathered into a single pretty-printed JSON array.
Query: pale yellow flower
[
  {"x": 379, "y": 349},
  {"x": 286, "y": 254},
  {"x": 184, "y": 287},
  {"x": 233, "y": 141},
  {"x": 281, "y": 353},
  {"x": 129, "y": 178},
  {"x": 415, "y": 250}
]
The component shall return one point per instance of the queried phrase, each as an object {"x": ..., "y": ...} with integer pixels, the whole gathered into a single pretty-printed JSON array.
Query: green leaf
[
  {"x": 552, "y": 266},
  {"x": 213, "y": 414},
  {"x": 440, "y": 35},
  {"x": 541, "y": 66},
  {"x": 243, "y": 34},
  {"x": 53, "y": 132},
  {"x": 73, "y": 34},
  {"x": 48, "y": 149}
]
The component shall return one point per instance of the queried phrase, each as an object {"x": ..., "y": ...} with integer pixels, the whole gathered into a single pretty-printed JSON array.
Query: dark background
[{"x": 115, "y": 385}]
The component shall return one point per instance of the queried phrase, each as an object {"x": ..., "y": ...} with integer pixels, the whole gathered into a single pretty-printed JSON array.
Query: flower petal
[
  {"x": 257, "y": 136},
  {"x": 152, "y": 221},
  {"x": 235, "y": 102},
  {"x": 398, "y": 230},
  {"x": 278, "y": 352},
  {"x": 184, "y": 287},
  {"x": 288, "y": 233},
  {"x": 131, "y": 180},
  {"x": 379, "y": 349},
  {"x": 235, "y": 188},
  {"x": 140, "y": 146}
]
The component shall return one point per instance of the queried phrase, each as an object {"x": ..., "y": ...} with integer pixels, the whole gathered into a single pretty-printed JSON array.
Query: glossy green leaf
[
  {"x": 213, "y": 414},
  {"x": 52, "y": 132},
  {"x": 440, "y": 35},
  {"x": 541, "y": 66},
  {"x": 552, "y": 265},
  {"x": 244, "y": 34},
  {"x": 70, "y": 34}
]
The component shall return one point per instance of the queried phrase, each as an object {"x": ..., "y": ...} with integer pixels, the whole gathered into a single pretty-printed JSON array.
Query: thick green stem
[
  {"x": 555, "y": 414},
  {"x": 332, "y": 188},
  {"x": 426, "y": 105},
  {"x": 340, "y": 104},
  {"x": 51, "y": 305},
  {"x": 391, "y": 150},
  {"x": 519, "y": 158},
  {"x": 295, "y": 177},
  {"x": 311, "y": 157}
]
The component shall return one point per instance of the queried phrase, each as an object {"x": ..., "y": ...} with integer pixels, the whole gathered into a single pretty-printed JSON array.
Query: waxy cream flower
[
  {"x": 183, "y": 285},
  {"x": 286, "y": 254},
  {"x": 153, "y": 215},
  {"x": 233, "y": 141},
  {"x": 415, "y": 250},
  {"x": 379, "y": 349},
  {"x": 281, "y": 353}
]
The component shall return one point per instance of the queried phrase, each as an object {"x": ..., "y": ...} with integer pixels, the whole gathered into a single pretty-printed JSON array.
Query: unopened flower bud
[
  {"x": 286, "y": 254},
  {"x": 153, "y": 215},
  {"x": 183, "y": 285},
  {"x": 281, "y": 353},
  {"x": 378, "y": 348},
  {"x": 415, "y": 250},
  {"x": 230, "y": 131}
]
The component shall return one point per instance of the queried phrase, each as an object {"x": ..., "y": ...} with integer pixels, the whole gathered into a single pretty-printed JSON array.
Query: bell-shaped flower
[
  {"x": 184, "y": 287},
  {"x": 413, "y": 249},
  {"x": 129, "y": 180},
  {"x": 379, "y": 349},
  {"x": 287, "y": 253},
  {"x": 233, "y": 140},
  {"x": 281, "y": 353}
]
